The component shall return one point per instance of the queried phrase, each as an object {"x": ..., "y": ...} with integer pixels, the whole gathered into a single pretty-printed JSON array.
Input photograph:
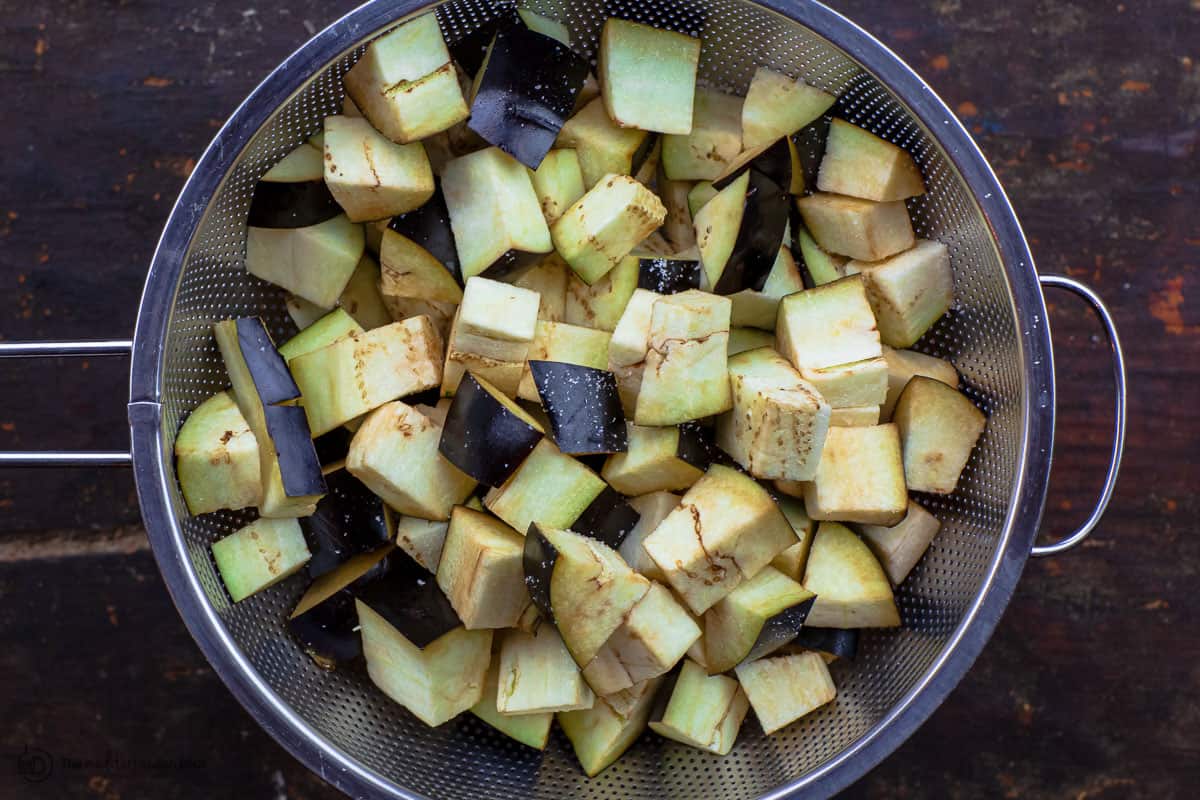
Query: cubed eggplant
[
  {"x": 776, "y": 105},
  {"x": 583, "y": 406},
  {"x": 654, "y": 636},
  {"x": 828, "y": 326},
  {"x": 754, "y": 620},
  {"x": 901, "y": 546},
  {"x": 349, "y": 520},
  {"x": 860, "y": 164},
  {"x": 740, "y": 232},
  {"x": 537, "y": 675},
  {"x": 909, "y": 292},
  {"x": 596, "y": 233},
  {"x": 487, "y": 435},
  {"x": 851, "y": 587},
  {"x": 652, "y": 509},
  {"x": 525, "y": 91},
  {"x": 703, "y": 711},
  {"x": 860, "y": 478},
  {"x": 820, "y": 266},
  {"x": 428, "y": 227},
  {"x": 313, "y": 262},
  {"x": 861, "y": 229},
  {"x": 481, "y": 571},
  {"x": 528, "y": 729},
  {"x": 609, "y": 518},
  {"x": 549, "y": 487},
  {"x": 324, "y": 621},
  {"x": 548, "y": 278},
  {"x": 567, "y": 344},
  {"x": 760, "y": 308},
  {"x": 726, "y": 529},
  {"x": 660, "y": 459},
  {"x": 601, "y": 304},
  {"x": 783, "y": 689},
  {"x": 648, "y": 76},
  {"x": 216, "y": 458},
  {"x": 601, "y": 734},
  {"x": 903, "y": 365},
  {"x": 938, "y": 427},
  {"x": 743, "y": 339},
  {"x": 668, "y": 275},
  {"x": 688, "y": 346},
  {"x": 329, "y": 328},
  {"x": 290, "y": 472},
  {"x": 603, "y": 146},
  {"x": 259, "y": 556},
  {"x": 371, "y": 176},
  {"x": 558, "y": 181},
  {"x": 715, "y": 139},
  {"x": 303, "y": 164}
]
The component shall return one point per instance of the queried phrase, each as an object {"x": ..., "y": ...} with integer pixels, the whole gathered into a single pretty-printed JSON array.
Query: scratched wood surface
[{"x": 1089, "y": 111}]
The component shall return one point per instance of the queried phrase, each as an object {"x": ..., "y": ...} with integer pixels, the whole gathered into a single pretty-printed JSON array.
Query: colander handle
[
  {"x": 61, "y": 458},
  {"x": 1118, "y": 447}
]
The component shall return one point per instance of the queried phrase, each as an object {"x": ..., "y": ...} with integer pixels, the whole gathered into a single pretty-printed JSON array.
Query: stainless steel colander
[{"x": 997, "y": 336}]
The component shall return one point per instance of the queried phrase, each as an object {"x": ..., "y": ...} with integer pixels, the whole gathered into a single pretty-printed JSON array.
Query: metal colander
[{"x": 997, "y": 336}]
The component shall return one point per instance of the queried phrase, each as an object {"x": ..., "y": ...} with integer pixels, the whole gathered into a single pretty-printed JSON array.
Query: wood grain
[{"x": 1090, "y": 114}]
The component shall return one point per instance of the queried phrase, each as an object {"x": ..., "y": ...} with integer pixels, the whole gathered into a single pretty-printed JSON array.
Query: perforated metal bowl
[{"x": 997, "y": 336}]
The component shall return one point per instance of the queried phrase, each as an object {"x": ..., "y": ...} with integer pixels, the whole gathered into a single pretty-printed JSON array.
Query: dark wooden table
[{"x": 1089, "y": 111}]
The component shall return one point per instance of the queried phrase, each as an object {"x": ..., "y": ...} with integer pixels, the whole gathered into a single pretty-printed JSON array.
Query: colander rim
[{"x": 151, "y": 456}]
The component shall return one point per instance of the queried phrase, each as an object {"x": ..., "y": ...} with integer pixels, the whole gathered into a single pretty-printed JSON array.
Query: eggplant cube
[
  {"x": 436, "y": 682},
  {"x": 360, "y": 373},
  {"x": 714, "y": 141},
  {"x": 724, "y": 531},
  {"x": 861, "y": 229},
  {"x": 900, "y": 547},
  {"x": 854, "y": 416},
  {"x": 395, "y": 453},
  {"x": 604, "y": 225},
  {"x": 216, "y": 458},
  {"x": 631, "y": 338},
  {"x": 851, "y": 587},
  {"x": 524, "y": 92},
  {"x": 565, "y": 344},
  {"x": 777, "y": 106},
  {"x": 863, "y": 383},
  {"x": 860, "y": 477},
  {"x": 657, "y": 459},
  {"x": 654, "y": 637},
  {"x": 939, "y": 427},
  {"x": 783, "y": 689},
  {"x": 910, "y": 291},
  {"x": 743, "y": 339},
  {"x": 648, "y": 76},
  {"x": 778, "y": 423},
  {"x": 698, "y": 197},
  {"x": 409, "y": 268},
  {"x": 314, "y": 262},
  {"x": 405, "y": 83},
  {"x": 903, "y": 365},
  {"x": 601, "y": 145},
  {"x": 558, "y": 182},
  {"x": 494, "y": 212},
  {"x": 601, "y": 304},
  {"x": 601, "y": 734},
  {"x": 361, "y": 299},
  {"x": 583, "y": 405},
  {"x": 370, "y": 176},
  {"x": 303, "y": 164},
  {"x": 860, "y": 164},
  {"x": 758, "y": 617},
  {"x": 537, "y": 675},
  {"x": 423, "y": 540},
  {"x": 549, "y": 488},
  {"x": 678, "y": 228},
  {"x": 704, "y": 711},
  {"x": 689, "y": 337},
  {"x": 760, "y": 309},
  {"x": 592, "y": 590},
  {"x": 487, "y": 435},
  {"x": 497, "y": 320},
  {"x": 652, "y": 508},
  {"x": 548, "y": 278},
  {"x": 822, "y": 267},
  {"x": 481, "y": 571},
  {"x": 326, "y": 330},
  {"x": 792, "y": 561},
  {"x": 718, "y": 225},
  {"x": 528, "y": 729},
  {"x": 501, "y": 373},
  {"x": 828, "y": 326},
  {"x": 260, "y": 555}
]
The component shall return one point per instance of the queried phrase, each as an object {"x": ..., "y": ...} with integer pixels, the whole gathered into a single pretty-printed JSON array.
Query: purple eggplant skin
[
  {"x": 273, "y": 382},
  {"x": 429, "y": 226},
  {"x": 482, "y": 437},
  {"x": 329, "y": 631},
  {"x": 349, "y": 520},
  {"x": 469, "y": 51},
  {"x": 835, "y": 641},
  {"x": 299, "y": 467},
  {"x": 526, "y": 92},
  {"x": 669, "y": 275},
  {"x": 408, "y": 597},
  {"x": 696, "y": 446},
  {"x": 608, "y": 519},
  {"x": 291, "y": 205},
  {"x": 538, "y": 559},
  {"x": 510, "y": 262},
  {"x": 761, "y": 235},
  {"x": 775, "y": 162},
  {"x": 780, "y": 629},
  {"x": 584, "y": 407}
]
